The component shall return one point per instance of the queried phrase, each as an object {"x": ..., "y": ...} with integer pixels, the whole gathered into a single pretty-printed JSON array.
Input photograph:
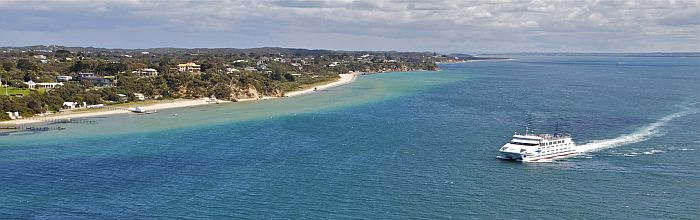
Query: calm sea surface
[{"x": 394, "y": 145}]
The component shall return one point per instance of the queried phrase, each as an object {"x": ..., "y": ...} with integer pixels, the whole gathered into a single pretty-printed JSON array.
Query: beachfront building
[
  {"x": 69, "y": 105},
  {"x": 188, "y": 67},
  {"x": 33, "y": 85},
  {"x": 14, "y": 115},
  {"x": 139, "y": 96},
  {"x": 122, "y": 97},
  {"x": 146, "y": 72}
]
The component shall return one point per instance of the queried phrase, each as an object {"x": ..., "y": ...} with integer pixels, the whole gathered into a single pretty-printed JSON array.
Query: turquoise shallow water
[{"x": 395, "y": 145}]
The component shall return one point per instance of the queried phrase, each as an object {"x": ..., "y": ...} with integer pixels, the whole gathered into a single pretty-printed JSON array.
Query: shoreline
[
  {"x": 344, "y": 79},
  {"x": 173, "y": 103}
]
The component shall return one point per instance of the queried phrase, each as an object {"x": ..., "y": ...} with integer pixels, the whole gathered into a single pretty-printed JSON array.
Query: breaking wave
[{"x": 644, "y": 133}]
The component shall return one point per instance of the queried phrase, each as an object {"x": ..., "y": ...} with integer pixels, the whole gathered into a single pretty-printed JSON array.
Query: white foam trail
[{"x": 649, "y": 131}]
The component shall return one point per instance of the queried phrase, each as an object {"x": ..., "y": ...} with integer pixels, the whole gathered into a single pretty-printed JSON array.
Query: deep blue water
[{"x": 395, "y": 145}]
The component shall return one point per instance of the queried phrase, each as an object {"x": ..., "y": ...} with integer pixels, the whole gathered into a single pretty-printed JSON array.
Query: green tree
[
  {"x": 8, "y": 65},
  {"x": 26, "y": 65},
  {"x": 289, "y": 77}
]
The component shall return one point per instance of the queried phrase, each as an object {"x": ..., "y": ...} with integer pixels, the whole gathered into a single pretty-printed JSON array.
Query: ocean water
[{"x": 393, "y": 145}]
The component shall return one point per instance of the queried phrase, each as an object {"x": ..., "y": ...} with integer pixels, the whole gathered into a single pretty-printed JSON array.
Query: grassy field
[{"x": 13, "y": 91}]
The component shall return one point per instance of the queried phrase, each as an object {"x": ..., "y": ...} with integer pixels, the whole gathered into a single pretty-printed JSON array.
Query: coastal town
[{"x": 45, "y": 80}]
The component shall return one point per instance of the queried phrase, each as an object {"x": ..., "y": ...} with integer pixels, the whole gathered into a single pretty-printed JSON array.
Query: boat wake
[{"x": 644, "y": 133}]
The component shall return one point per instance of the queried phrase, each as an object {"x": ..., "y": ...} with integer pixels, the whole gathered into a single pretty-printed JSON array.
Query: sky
[{"x": 402, "y": 25}]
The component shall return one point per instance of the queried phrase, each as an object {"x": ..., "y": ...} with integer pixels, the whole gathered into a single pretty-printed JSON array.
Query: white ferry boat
[{"x": 538, "y": 147}]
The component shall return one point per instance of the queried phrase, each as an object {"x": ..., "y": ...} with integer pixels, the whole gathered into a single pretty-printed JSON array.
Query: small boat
[{"x": 142, "y": 110}]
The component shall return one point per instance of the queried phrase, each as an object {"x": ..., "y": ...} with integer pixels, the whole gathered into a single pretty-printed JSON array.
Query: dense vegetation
[{"x": 225, "y": 73}]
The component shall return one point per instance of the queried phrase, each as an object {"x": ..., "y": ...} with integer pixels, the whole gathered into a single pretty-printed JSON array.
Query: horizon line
[{"x": 356, "y": 50}]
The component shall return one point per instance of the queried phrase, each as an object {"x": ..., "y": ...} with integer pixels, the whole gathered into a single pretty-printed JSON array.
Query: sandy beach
[
  {"x": 166, "y": 104},
  {"x": 344, "y": 79}
]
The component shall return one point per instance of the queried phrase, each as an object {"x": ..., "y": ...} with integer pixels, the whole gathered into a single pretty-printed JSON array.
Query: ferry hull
[
  {"x": 520, "y": 158},
  {"x": 510, "y": 156},
  {"x": 550, "y": 158}
]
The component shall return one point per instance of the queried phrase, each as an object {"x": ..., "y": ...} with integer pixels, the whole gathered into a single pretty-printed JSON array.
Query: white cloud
[{"x": 456, "y": 25}]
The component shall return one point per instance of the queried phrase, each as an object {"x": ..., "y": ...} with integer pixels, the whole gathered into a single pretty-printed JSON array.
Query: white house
[
  {"x": 33, "y": 85},
  {"x": 122, "y": 97},
  {"x": 30, "y": 84},
  {"x": 146, "y": 72},
  {"x": 189, "y": 67},
  {"x": 139, "y": 96},
  {"x": 14, "y": 115},
  {"x": 70, "y": 105}
]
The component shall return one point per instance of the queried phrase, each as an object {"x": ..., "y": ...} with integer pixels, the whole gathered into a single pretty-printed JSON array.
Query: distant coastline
[
  {"x": 168, "y": 104},
  {"x": 478, "y": 60},
  {"x": 50, "y": 80},
  {"x": 652, "y": 54}
]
